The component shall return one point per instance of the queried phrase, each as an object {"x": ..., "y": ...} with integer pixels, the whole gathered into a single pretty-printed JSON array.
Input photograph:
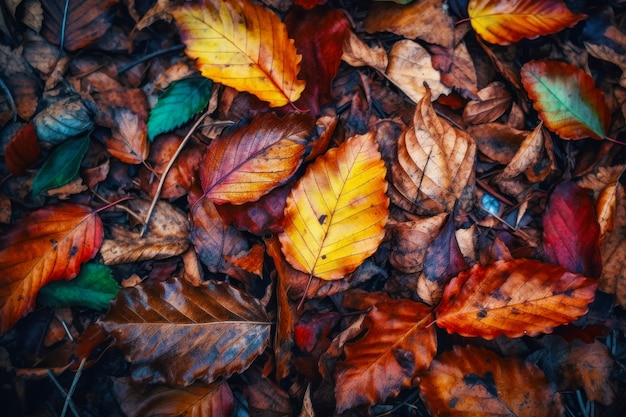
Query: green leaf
[
  {"x": 61, "y": 166},
  {"x": 93, "y": 287},
  {"x": 63, "y": 119},
  {"x": 181, "y": 100}
]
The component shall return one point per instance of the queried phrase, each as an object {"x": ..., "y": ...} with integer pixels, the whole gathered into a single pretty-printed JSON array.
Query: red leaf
[
  {"x": 47, "y": 245},
  {"x": 571, "y": 231},
  {"x": 22, "y": 150},
  {"x": 319, "y": 35}
]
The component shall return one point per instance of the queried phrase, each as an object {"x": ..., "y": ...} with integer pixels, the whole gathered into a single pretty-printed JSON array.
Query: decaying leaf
[
  {"x": 243, "y": 45},
  {"x": 176, "y": 333},
  {"x": 336, "y": 213},
  {"x": 129, "y": 138},
  {"x": 47, "y": 245},
  {"x": 475, "y": 381},
  {"x": 22, "y": 150},
  {"x": 513, "y": 298}
]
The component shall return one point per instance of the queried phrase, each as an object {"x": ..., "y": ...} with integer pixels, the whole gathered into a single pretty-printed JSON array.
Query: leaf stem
[
  {"x": 167, "y": 169},
  {"x": 615, "y": 141}
]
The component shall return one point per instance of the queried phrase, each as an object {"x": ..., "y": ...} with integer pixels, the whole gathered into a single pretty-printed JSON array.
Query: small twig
[
  {"x": 10, "y": 98},
  {"x": 151, "y": 55},
  {"x": 60, "y": 388},
  {"x": 68, "y": 397},
  {"x": 167, "y": 170},
  {"x": 67, "y": 331},
  {"x": 63, "y": 24}
]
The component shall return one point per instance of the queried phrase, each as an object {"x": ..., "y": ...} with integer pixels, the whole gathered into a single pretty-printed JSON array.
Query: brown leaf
[
  {"x": 494, "y": 102},
  {"x": 213, "y": 400},
  {"x": 437, "y": 158},
  {"x": 409, "y": 241},
  {"x": 397, "y": 346},
  {"x": 129, "y": 138},
  {"x": 456, "y": 67},
  {"x": 264, "y": 397},
  {"x": 613, "y": 278},
  {"x": 22, "y": 150},
  {"x": 167, "y": 235},
  {"x": 47, "y": 245},
  {"x": 475, "y": 381},
  {"x": 76, "y": 24},
  {"x": 242, "y": 165},
  {"x": 176, "y": 333},
  {"x": 590, "y": 366},
  {"x": 528, "y": 155},
  {"x": 497, "y": 141},
  {"x": 513, "y": 298}
]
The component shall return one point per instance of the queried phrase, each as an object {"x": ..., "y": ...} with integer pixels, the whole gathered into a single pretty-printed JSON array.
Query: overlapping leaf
[
  {"x": 336, "y": 213},
  {"x": 47, "y": 245},
  {"x": 513, "y": 298},
  {"x": 397, "y": 346},
  {"x": 129, "y": 138},
  {"x": 435, "y": 161},
  {"x": 505, "y": 22},
  {"x": 243, "y": 45},
  {"x": 179, "y": 333},
  {"x": 473, "y": 381},
  {"x": 243, "y": 165},
  {"x": 22, "y": 150},
  {"x": 567, "y": 99}
]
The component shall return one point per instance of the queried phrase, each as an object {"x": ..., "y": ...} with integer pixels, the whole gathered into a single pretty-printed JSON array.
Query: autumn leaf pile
[{"x": 313, "y": 208}]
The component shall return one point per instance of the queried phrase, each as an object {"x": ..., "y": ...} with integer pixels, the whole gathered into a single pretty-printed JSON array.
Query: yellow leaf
[
  {"x": 336, "y": 214},
  {"x": 242, "y": 45}
]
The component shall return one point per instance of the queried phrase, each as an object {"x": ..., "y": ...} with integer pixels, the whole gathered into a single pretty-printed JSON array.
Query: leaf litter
[{"x": 312, "y": 208}]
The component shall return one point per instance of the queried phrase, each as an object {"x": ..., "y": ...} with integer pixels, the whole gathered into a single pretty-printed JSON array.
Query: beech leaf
[
  {"x": 336, "y": 213},
  {"x": 567, "y": 99},
  {"x": 63, "y": 119},
  {"x": 243, "y": 45},
  {"x": 475, "y": 381},
  {"x": 93, "y": 287},
  {"x": 61, "y": 166},
  {"x": 182, "y": 98},
  {"x": 513, "y": 298},
  {"x": 47, "y": 245},
  {"x": 22, "y": 150},
  {"x": 507, "y": 22},
  {"x": 176, "y": 333},
  {"x": 398, "y": 344},
  {"x": 243, "y": 165},
  {"x": 128, "y": 141}
]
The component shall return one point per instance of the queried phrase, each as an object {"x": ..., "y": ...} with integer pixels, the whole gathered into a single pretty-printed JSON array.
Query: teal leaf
[
  {"x": 64, "y": 119},
  {"x": 181, "y": 100},
  {"x": 93, "y": 288},
  {"x": 61, "y": 166}
]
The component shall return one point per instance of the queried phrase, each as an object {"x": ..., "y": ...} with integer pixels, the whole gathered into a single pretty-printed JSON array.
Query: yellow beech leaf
[
  {"x": 243, "y": 45},
  {"x": 336, "y": 213}
]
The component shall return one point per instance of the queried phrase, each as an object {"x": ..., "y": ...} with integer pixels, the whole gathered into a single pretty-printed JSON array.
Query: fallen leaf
[
  {"x": 436, "y": 158},
  {"x": 75, "y": 24},
  {"x": 22, "y": 150},
  {"x": 213, "y": 400},
  {"x": 243, "y": 165},
  {"x": 567, "y": 99},
  {"x": 336, "y": 213},
  {"x": 62, "y": 119},
  {"x": 513, "y": 298},
  {"x": 397, "y": 346},
  {"x": 47, "y": 245},
  {"x": 243, "y": 45},
  {"x": 590, "y": 366},
  {"x": 475, "y": 381},
  {"x": 506, "y": 23},
  {"x": 410, "y": 240},
  {"x": 203, "y": 333},
  {"x": 129, "y": 139},
  {"x": 527, "y": 156},
  {"x": 494, "y": 101},
  {"x": 455, "y": 67},
  {"x": 571, "y": 233}
]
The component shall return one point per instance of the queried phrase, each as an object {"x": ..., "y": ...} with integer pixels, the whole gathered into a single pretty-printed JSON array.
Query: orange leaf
[
  {"x": 129, "y": 138},
  {"x": 336, "y": 213},
  {"x": 243, "y": 45},
  {"x": 203, "y": 332},
  {"x": 473, "y": 381},
  {"x": 567, "y": 99},
  {"x": 243, "y": 165},
  {"x": 397, "y": 346},
  {"x": 47, "y": 245},
  {"x": 505, "y": 22},
  {"x": 513, "y": 298}
]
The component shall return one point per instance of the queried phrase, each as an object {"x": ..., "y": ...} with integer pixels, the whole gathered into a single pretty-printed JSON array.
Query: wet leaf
[
  {"x": 63, "y": 119},
  {"x": 243, "y": 165},
  {"x": 184, "y": 98},
  {"x": 513, "y": 298},
  {"x": 243, "y": 45},
  {"x": 567, "y": 99},
  {"x": 508, "y": 22},
  {"x": 128, "y": 141},
  {"x": 61, "y": 166},
  {"x": 203, "y": 332},
  {"x": 22, "y": 150},
  {"x": 336, "y": 213},
  {"x": 475, "y": 381},
  {"x": 93, "y": 287},
  {"x": 571, "y": 231},
  {"x": 47, "y": 245}
]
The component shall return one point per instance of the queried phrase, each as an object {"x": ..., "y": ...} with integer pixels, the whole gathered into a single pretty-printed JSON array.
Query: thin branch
[
  {"x": 60, "y": 388},
  {"x": 7, "y": 93},
  {"x": 68, "y": 397},
  {"x": 128, "y": 66},
  {"x": 168, "y": 168},
  {"x": 63, "y": 25}
]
